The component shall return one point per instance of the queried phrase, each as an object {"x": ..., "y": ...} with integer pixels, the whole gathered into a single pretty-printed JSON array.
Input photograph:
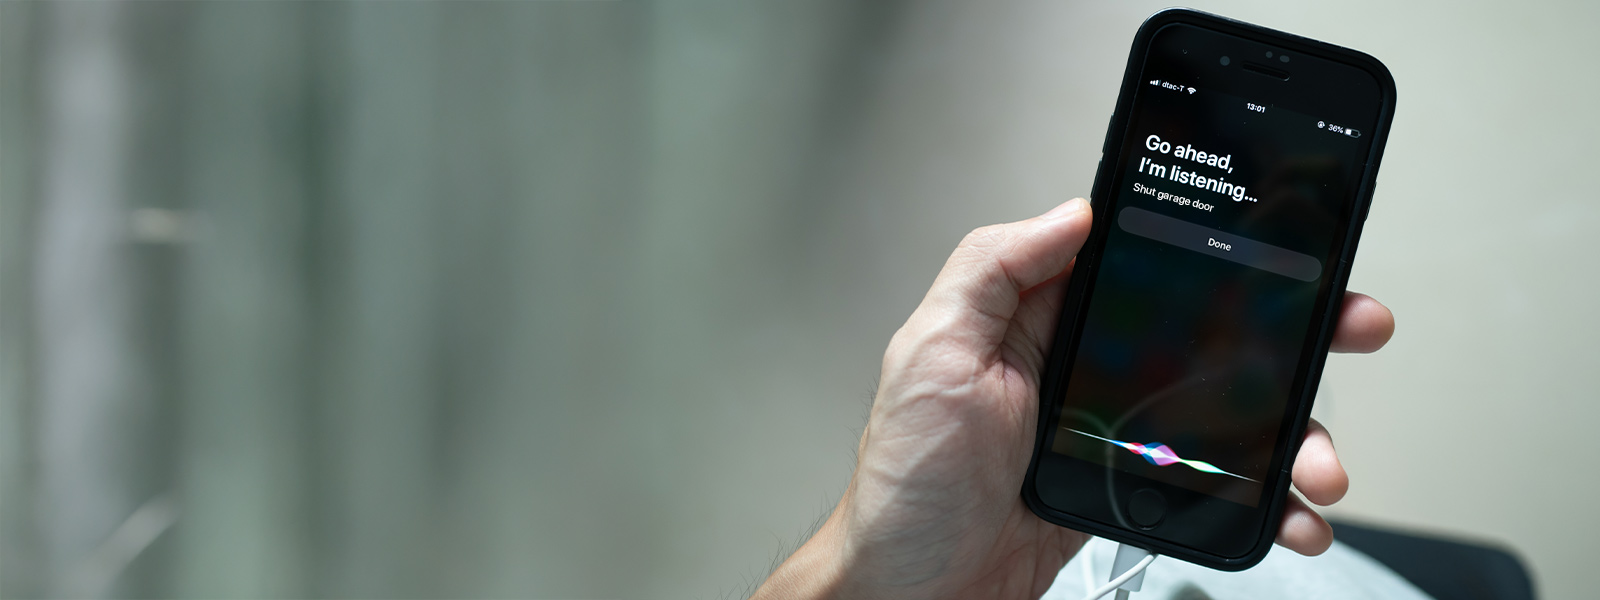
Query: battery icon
[{"x": 1355, "y": 133}]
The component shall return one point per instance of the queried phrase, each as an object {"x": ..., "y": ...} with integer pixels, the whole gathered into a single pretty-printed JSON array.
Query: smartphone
[{"x": 1234, "y": 181}]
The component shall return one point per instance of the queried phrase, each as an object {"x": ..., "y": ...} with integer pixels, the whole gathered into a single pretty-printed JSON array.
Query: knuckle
[
  {"x": 983, "y": 239},
  {"x": 983, "y": 249}
]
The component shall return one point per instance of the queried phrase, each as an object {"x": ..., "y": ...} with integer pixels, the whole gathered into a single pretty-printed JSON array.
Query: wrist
[{"x": 815, "y": 570}]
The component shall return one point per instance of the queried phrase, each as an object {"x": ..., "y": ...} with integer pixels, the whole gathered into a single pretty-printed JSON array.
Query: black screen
[{"x": 1226, "y": 215}]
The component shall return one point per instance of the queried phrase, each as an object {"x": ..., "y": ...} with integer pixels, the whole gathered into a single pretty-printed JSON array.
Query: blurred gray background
[{"x": 586, "y": 299}]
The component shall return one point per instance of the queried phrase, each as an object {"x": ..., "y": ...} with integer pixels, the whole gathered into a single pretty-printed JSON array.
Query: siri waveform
[{"x": 1160, "y": 455}]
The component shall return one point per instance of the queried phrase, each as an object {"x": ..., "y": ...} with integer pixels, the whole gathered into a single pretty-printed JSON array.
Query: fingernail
[{"x": 1070, "y": 207}]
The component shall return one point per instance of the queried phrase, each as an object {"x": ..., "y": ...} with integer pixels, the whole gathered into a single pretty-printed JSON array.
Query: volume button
[
  {"x": 1367, "y": 208},
  {"x": 1110, "y": 124}
]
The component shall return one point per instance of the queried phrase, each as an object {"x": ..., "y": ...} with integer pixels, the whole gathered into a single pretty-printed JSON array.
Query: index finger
[{"x": 1365, "y": 324}]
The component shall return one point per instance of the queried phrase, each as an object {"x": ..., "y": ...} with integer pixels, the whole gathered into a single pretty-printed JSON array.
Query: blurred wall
[{"x": 586, "y": 299}]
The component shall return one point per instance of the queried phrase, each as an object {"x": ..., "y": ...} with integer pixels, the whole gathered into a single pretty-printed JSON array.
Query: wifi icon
[{"x": 1191, "y": 90}]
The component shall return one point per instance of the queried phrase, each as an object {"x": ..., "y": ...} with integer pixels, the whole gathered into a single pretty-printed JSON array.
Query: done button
[{"x": 1214, "y": 242}]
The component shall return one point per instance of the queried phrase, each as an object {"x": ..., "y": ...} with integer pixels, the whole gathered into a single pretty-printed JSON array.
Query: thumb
[{"x": 980, "y": 285}]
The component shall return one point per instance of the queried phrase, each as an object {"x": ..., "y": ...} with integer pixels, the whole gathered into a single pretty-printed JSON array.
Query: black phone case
[{"x": 1075, "y": 296}]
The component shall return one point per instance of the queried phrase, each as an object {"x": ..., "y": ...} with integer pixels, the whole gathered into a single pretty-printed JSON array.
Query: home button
[{"x": 1146, "y": 507}]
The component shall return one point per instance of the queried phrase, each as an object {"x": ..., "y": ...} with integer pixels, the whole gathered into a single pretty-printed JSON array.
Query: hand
[{"x": 933, "y": 509}]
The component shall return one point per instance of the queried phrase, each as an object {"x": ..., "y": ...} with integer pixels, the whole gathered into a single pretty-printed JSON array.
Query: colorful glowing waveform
[{"x": 1160, "y": 455}]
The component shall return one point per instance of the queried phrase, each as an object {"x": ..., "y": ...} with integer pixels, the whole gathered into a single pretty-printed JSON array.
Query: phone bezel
[{"x": 1313, "y": 354}]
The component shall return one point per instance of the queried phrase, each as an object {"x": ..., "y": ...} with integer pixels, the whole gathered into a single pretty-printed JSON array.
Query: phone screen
[{"x": 1226, "y": 216}]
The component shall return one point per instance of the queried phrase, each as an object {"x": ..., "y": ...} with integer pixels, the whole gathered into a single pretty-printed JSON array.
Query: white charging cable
[{"x": 1127, "y": 572}]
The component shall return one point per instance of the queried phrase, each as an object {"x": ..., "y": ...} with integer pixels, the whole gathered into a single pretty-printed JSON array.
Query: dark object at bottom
[
  {"x": 1444, "y": 569},
  {"x": 1146, "y": 507}
]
